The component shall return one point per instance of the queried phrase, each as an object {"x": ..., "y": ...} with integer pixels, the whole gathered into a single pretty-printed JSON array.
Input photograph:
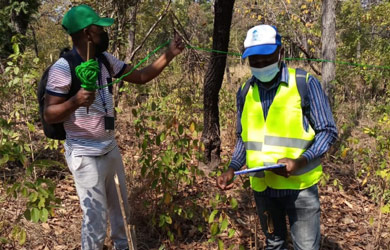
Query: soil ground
[{"x": 349, "y": 218}]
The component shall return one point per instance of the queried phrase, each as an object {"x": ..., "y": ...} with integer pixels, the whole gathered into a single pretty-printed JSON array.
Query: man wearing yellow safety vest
[{"x": 280, "y": 120}]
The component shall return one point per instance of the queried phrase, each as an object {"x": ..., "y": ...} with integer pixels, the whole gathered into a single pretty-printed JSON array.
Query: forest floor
[{"x": 349, "y": 217}]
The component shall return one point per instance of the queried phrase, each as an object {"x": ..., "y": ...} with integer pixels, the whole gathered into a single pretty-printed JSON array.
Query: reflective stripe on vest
[{"x": 281, "y": 135}]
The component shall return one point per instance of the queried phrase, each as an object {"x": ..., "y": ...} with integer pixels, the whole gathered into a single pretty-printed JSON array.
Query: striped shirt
[
  {"x": 85, "y": 133},
  {"x": 320, "y": 119}
]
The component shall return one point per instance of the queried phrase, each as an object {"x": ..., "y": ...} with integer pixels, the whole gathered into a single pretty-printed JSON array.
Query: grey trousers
[{"x": 94, "y": 178}]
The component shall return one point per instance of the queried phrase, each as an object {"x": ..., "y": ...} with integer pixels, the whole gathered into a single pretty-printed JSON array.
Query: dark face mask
[{"x": 103, "y": 44}]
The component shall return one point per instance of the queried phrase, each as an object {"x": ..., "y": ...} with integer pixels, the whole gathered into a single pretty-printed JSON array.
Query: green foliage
[
  {"x": 219, "y": 220},
  {"x": 167, "y": 163},
  {"x": 18, "y": 149},
  {"x": 15, "y": 17},
  {"x": 366, "y": 27},
  {"x": 40, "y": 195},
  {"x": 379, "y": 167}
]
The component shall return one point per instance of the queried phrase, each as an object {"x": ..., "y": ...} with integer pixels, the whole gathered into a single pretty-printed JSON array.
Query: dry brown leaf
[{"x": 348, "y": 204}]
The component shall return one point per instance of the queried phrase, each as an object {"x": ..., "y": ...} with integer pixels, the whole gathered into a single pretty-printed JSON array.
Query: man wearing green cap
[{"x": 90, "y": 147}]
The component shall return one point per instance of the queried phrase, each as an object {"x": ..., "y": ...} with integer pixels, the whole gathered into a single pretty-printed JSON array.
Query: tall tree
[
  {"x": 328, "y": 40},
  {"x": 223, "y": 10}
]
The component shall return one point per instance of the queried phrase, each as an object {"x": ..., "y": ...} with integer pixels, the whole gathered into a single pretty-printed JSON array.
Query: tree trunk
[
  {"x": 128, "y": 12},
  {"x": 213, "y": 81},
  {"x": 328, "y": 40},
  {"x": 132, "y": 31}
]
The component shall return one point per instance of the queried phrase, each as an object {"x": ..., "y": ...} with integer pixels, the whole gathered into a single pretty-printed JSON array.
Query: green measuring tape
[{"x": 88, "y": 71}]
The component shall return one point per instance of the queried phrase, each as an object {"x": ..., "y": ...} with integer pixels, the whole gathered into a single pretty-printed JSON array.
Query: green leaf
[
  {"x": 211, "y": 240},
  {"x": 179, "y": 160},
  {"x": 162, "y": 136},
  {"x": 27, "y": 148},
  {"x": 168, "y": 219},
  {"x": 35, "y": 215},
  {"x": 42, "y": 201},
  {"x": 22, "y": 237},
  {"x": 134, "y": 111},
  {"x": 158, "y": 140},
  {"x": 221, "y": 246},
  {"x": 43, "y": 192},
  {"x": 231, "y": 232},
  {"x": 118, "y": 110},
  {"x": 33, "y": 196},
  {"x": 154, "y": 183},
  {"x": 27, "y": 214},
  {"x": 143, "y": 170},
  {"x": 16, "y": 70},
  {"x": 15, "y": 47},
  {"x": 4, "y": 159},
  {"x": 181, "y": 129},
  {"x": 371, "y": 221},
  {"x": 3, "y": 240},
  {"x": 212, "y": 215},
  {"x": 171, "y": 236},
  {"x": 224, "y": 224},
  {"x": 44, "y": 215},
  {"x": 233, "y": 203},
  {"x": 385, "y": 209},
  {"x": 24, "y": 192},
  {"x": 214, "y": 229},
  {"x": 162, "y": 220}
]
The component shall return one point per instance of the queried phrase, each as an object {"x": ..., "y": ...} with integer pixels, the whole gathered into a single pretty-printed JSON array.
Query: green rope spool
[{"x": 88, "y": 73}]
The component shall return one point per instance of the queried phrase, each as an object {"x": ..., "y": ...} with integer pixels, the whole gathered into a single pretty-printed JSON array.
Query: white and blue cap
[{"x": 261, "y": 40}]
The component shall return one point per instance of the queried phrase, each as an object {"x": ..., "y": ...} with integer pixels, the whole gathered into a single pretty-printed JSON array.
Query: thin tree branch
[
  {"x": 307, "y": 54},
  {"x": 150, "y": 31}
]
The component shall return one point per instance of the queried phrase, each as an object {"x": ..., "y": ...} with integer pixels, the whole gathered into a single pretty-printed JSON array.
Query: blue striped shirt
[{"x": 320, "y": 119}]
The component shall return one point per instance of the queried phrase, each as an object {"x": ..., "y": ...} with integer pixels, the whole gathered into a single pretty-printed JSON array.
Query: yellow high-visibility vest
[{"x": 281, "y": 135}]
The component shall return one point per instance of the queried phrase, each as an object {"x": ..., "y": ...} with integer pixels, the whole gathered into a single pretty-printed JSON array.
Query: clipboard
[{"x": 257, "y": 169}]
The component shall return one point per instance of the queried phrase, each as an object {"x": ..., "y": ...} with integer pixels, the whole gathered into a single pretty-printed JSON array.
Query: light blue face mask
[{"x": 266, "y": 74}]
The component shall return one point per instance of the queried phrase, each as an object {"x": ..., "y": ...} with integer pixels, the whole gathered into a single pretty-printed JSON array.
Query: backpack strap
[
  {"x": 301, "y": 78},
  {"x": 104, "y": 60},
  {"x": 244, "y": 91},
  {"x": 73, "y": 61}
]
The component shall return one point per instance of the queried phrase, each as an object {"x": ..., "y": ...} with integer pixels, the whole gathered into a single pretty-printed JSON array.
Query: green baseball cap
[{"x": 82, "y": 16}]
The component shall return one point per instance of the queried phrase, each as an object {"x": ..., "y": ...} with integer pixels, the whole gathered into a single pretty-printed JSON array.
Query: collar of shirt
[{"x": 283, "y": 78}]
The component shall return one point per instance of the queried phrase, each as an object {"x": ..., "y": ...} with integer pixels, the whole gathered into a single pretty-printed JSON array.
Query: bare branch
[
  {"x": 150, "y": 31},
  {"x": 307, "y": 54}
]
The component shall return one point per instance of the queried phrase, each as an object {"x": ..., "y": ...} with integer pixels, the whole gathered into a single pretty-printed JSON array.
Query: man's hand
[
  {"x": 224, "y": 179},
  {"x": 176, "y": 46},
  {"x": 84, "y": 98},
  {"x": 292, "y": 165}
]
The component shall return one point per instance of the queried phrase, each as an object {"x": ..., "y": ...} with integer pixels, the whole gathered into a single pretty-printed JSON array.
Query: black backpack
[{"x": 57, "y": 131}]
